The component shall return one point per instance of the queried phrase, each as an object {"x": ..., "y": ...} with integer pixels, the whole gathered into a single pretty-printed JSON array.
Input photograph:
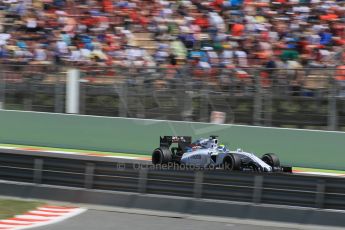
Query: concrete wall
[{"x": 305, "y": 148}]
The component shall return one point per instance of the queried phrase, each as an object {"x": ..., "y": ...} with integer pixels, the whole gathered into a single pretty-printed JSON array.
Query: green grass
[{"x": 10, "y": 208}]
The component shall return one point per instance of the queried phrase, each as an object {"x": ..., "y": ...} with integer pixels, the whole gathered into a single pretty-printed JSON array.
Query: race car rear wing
[{"x": 182, "y": 141}]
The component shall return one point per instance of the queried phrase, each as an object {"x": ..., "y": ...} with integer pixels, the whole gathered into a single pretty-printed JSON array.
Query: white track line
[
  {"x": 32, "y": 217},
  {"x": 7, "y": 147},
  {"x": 129, "y": 158},
  {"x": 53, "y": 210},
  {"x": 15, "y": 222},
  {"x": 53, "y": 151},
  {"x": 43, "y": 213},
  {"x": 320, "y": 173},
  {"x": 7, "y": 226}
]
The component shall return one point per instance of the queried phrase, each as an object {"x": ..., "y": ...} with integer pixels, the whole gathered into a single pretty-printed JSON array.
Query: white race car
[{"x": 207, "y": 152}]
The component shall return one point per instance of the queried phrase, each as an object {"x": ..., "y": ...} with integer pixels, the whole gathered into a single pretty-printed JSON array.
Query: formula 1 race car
[{"x": 207, "y": 152}]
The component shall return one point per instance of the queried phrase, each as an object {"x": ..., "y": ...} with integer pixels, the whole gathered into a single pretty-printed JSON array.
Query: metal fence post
[
  {"x": 38, "y": 167},
  {"x": 332, "y": 106},
  {"x": 257, "y": 191},
  {"x": 72, "y": 91},
  {"x": 89, "y": 172},
  {"x": 142, "y": 183},
  {"x": 320, "y": 194},
  {"x": 257, "y": 100},
  {"x": 198, "y": 180}
]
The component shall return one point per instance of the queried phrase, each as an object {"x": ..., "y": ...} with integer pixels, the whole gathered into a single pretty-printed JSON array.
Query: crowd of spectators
[{"x": 206, "y": 34}]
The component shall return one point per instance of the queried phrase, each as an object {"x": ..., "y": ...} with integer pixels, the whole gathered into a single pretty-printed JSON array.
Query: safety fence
[
  {"x": 282, "y": 189},
  {"x": 294, "y": 98}
]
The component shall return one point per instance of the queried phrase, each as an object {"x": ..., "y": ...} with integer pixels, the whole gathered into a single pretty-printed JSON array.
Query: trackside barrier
[
  {"x": 275, "y": 189},
  {"x": 305, "y": 148},
  {"x": 181, "y": 205}
]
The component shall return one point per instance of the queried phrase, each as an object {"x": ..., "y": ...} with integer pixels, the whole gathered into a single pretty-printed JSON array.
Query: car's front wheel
[
  {"x": 272, "y": 160},
  {"x": 232, "y": 162}
]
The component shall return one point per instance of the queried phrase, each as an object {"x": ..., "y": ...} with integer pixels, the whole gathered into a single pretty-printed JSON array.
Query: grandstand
[
  {"x": 208, "y": 34},
  {"x": 284, "y": 50}
]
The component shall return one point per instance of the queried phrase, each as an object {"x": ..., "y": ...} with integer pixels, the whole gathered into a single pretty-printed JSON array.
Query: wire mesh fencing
[{"x": 292, "y": 98}]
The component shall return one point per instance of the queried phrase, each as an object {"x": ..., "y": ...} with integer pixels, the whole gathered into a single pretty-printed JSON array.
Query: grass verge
[{"x": 10, "y": 208}]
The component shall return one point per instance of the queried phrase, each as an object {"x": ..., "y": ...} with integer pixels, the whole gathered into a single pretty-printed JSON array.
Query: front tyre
[
  {"x": 232, "y": 162},
  {"x": 272, "y": 160},
  {"x": 161, "y": 156}
]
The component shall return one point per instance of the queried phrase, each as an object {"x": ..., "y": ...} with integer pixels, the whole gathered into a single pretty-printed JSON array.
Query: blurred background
[{"x": 272, "y": 63}]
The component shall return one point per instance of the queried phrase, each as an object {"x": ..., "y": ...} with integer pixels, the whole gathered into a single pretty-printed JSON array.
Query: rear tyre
[
  {"x": 161, "y": 156},
  {"x": 272, "y": 160},
  {"x": 232, "y": 162}
]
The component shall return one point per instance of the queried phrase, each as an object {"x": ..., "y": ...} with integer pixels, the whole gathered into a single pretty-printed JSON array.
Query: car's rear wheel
[
  {"x": 232, "y": 162},
  {"x": 161, "y": 156},
  {"x": 272, "y": 160}
]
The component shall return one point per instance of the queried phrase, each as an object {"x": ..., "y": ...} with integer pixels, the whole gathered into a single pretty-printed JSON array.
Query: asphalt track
[
  {"x": 110, "y": 220},
  {"x": 102, "y": 220}
]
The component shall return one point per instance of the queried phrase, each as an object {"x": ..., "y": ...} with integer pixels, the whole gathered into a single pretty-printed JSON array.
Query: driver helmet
[{"x": 222, "y": 147}]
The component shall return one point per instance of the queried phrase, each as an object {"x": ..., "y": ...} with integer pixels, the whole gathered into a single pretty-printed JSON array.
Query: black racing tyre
[
  {"x": 161, "y": 156},
  {"x": 232, "y": 162},
  {"x": 271, "y": 159}
]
